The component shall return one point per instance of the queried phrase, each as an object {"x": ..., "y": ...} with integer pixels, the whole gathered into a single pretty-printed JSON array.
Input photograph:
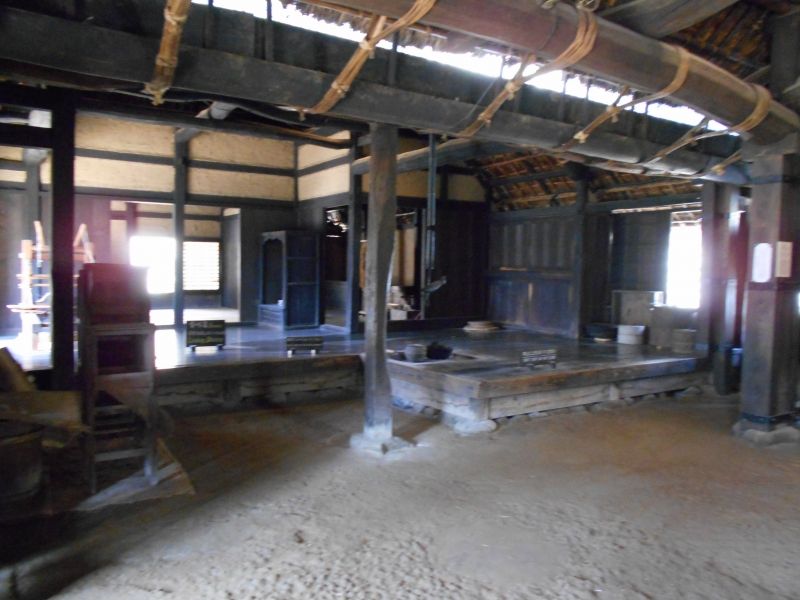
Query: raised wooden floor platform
[
  {"x": 485, "y": 380},
  {"x": 276, "y": 380}
]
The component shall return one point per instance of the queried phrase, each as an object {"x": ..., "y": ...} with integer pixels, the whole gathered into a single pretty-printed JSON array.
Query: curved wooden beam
[
  {"x": 126, "y": 57},
  {"x": 660, "y": 18},
  {"x": 620, "y": 55}
]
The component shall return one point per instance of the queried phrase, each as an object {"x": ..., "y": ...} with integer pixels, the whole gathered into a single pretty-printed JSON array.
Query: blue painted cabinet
[{"x": 290, "y": 279}]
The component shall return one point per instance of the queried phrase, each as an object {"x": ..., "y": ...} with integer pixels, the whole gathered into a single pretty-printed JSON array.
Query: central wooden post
[
  {"x": 33, "y": 159},
  {"x": 62, "y": 267},
  {"x": 180, "y": 160},
  {"x": 771, "y": 331},
  {"x": 354, "y": 229},
  {"x": 381, "y": 225},
  {"x": 720, "y": 304},
  {"x": 580, "y": 175},
  {"x": 772, "y": 324}
]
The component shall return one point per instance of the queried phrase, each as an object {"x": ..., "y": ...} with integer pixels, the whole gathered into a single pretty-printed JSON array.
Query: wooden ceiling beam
[
  {"x": 446, "y": 154},
  {"x": 192, "y": 125},
  {"x": 620, "y": 55},
  {"x": 25, "y": 136},
  {"x": 423, "y": 102}
]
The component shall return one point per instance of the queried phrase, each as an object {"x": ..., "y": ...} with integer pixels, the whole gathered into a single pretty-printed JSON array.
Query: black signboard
[
  {"x": 205, "y": 333},
  {"x": 534, "y": 358},
  {"x": 311, "y": 344}
]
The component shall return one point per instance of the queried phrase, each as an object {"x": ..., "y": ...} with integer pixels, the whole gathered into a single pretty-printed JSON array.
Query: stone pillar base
[
  {"x": 780, "y": 434},
  {"x": 466, "y": 426},
  {"x": 378, "y": 444}
]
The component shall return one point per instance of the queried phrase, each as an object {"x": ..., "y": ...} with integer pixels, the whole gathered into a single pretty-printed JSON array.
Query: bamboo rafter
[
  {"x": 175, "y": 14},
  {"x": 378, "y": 31},
  {"x": 581, "y": 46}
]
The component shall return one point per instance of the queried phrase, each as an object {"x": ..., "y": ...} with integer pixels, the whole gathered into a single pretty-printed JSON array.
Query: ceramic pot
[{"x": 416, "y": 352}]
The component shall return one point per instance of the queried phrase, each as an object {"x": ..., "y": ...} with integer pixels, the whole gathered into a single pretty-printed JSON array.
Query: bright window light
[
  {"x": 157, "y": 253},
  {"x": 257, "y": 8},
  {"x": 201, "y": 266},
  {"x": 201, "y": 263},
  {"x": 684, "y": 261}
]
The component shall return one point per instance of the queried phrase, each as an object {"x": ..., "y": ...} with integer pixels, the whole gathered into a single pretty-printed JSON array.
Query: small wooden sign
[
  {"x": 534, "y": 358},
  {"x": 205, "y": 333},
  {"x": 312, "y": 344}
]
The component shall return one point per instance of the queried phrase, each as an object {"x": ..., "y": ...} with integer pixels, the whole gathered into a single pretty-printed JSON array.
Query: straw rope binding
[
  {"x": 175, "y": 14},
  {"x": 612, "y": 112},
  {"x": 377, "y": 32},
  {"x": 754, "y": 119},
  {"x": 580, "y": 48}
]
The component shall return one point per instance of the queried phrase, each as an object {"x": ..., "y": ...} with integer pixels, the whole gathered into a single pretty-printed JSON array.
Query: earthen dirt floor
[{"x": 653, "y": 501}]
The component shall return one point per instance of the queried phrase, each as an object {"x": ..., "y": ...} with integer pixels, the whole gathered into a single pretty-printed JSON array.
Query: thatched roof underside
[
  {"x": 734, "y": 38},
  {"x": 501, "y": 175}
]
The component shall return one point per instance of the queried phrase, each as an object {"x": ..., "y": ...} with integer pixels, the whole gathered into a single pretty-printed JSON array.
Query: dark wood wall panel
[
  {"x": 542, "y": 305},
  {"x": 254, "y": 222},
  {"x": 232, "y": 260},
  {"x": 11, "y": 215},
  {"x": 95, "y": 213},
  {"x": 641, "y": 243},
  {"x": 596, "y": 301},
  {"x": 545, "y": 244},
  {"x": 461, "y": 249},
  {"x": 531, "y": 279}
]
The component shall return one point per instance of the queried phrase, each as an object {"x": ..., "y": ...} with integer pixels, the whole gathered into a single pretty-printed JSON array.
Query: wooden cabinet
[
  {"x": 290, "y": 286},
  {"x": 117, "y": 363}
]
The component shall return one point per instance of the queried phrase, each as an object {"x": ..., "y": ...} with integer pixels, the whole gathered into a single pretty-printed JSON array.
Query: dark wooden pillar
[
  {"x": 785, "y": 54},
  {"x": 381, "y": 218},
  {"x": 178, "y": 219},
  {"x": 772, "y": 326},
  {"x": 269, "y": 34},
  {"x": 428, "y": 255},
  {"x": 32, "y": 190},
  {"x": 719, "y": 287},
  {"x": 580, "y": 260},
  {"x": 33, "y": 158},
  {"x": 131, "y": 218},
  {"x": 354, "y": 226},
  {"x": 131, "y": 223},
  {"x": 444, "y": 184},
  {"x": 62, "y": 315},
  {"x": 710, "y": 225}
]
